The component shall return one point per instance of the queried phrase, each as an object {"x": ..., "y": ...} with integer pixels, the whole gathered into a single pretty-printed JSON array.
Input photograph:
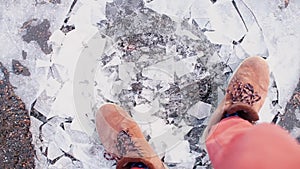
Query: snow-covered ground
[{"x": 165, "y": 63}]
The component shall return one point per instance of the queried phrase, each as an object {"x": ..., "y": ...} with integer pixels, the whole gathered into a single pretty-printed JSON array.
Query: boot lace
[
  {"x": 110, "y": 156},
  {"x": 243, "y": 93},
  {"x": 124, "y": 145}
]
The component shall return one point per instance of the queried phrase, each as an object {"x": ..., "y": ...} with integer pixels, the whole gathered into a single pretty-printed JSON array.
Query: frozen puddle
[{"x": 167, "y": 64}]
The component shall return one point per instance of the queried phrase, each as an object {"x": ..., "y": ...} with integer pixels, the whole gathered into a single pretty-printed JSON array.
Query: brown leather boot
[
  {"x": 246, "y": 92},
  {"x": 123, "y": 139}
]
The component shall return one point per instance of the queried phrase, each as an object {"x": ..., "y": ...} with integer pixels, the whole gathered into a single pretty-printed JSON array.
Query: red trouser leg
[{"x": 237, "y": 144}]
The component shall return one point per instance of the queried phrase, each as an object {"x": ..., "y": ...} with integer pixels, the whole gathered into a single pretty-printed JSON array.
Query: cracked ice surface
[
  {"x": 17, "y": 19},
  {"x": 166, "y": 63}
]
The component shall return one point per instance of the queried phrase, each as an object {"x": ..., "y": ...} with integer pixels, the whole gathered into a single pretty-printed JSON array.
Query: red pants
[{"x": 237, "y": 144}]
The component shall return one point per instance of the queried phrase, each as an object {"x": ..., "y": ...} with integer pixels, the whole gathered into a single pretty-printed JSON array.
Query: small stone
[
  {"x": 24, "y": 54},
  {"x": 18, "y": 68}
]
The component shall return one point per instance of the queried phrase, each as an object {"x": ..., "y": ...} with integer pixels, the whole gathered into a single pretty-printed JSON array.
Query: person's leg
[
  {"x": 246, "y": 92},
  {"x": 231, "y": 139},
  {"x": 235, "y": 143}
]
